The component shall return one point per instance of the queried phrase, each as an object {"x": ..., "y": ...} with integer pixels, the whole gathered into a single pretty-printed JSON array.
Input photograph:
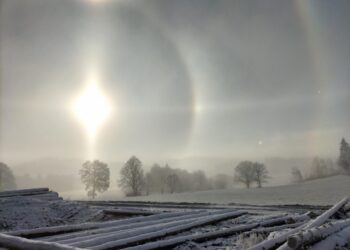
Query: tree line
[
  {"x": 134, "y": 181},
  {"x": 95, "y": 175},
  {"x": 321, "y": 168},
  {"x": 163, "y": 179}
]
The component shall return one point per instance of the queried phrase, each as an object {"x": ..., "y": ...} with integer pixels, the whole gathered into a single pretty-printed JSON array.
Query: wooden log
[
  {"x": 327, "y": 214},
  {"x": 118, "y": 243},
  {"x": 288, "y": 219},
  {"x": 46, "y": 231},
  {"x": 154, "y": 204},
  {"x": 309, "y": 236},
  {"x": 103, "y": 238},
  {"x": 80, "y": 236},
  {"x": 339, "y": 239},
  {"x": 18, "y": 243},
  {"x": 23, "y": 192},
  {"x": 346, "y": 207},
  {"x": 266, "y": 230},
  {"x": 113, "y": 233},
  {"x": 281, "y": 239},
  {"x": 128, "y": 212},
  {"x": 173, "y": 242}
]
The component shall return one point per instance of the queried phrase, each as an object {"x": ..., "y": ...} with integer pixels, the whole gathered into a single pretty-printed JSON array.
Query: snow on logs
[
  {"x": 37, "y": 193},
  {"x": 83, "y": 235},
  {"x": 282, "y": 238},
  {"x": 129, "y": 212},
  {"x": 339, "y": 239},
  {"x": 47, "y": 231},
  {"x": 168, "y": 243},
  {"x": 129, "y": 238},
  {"x": 18, "y": 243},
  {"x": 24, "y": 192},
  {"x": 309, "y": 236},
  {"x": 252, "y": 227}
]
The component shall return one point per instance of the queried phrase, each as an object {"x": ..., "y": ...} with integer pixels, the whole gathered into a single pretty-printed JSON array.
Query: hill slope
[{"x": 324, "y": 191}]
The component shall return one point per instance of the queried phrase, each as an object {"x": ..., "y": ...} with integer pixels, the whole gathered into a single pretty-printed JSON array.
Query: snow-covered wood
[
  {"x": 309, "y": 236},
  {"x": 128, "y": 212},
  {"x": 327, "y": 214},
  {"x": 275, "y": 242},
  {"x": 156, "y": 204},
  {"x": 18, "y": 243},
  {"x": 346, "y": 207},
  {"x": 288, "y": 219},
  {"x": 281, "y": 239},
  {"x": 339, "y": 239},
  {"x": 118, "y": 242},
  {"x": 106, "y": 237},
  {"x": 71, "y": 237},
  {"x": 113, "y": 234},
  {"x": 46, "y": 231},
  {"x": 24, "y": 192},
  {"x": 168, "y": 243},
  {"x": 266, "y": 230}
]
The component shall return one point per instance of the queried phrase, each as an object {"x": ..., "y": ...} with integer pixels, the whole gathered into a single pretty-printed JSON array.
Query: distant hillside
[{"x": 324, "y": 191}]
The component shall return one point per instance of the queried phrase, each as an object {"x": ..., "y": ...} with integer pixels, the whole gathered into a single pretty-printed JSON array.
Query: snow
[
  {"x": 326, "y": 191},
  {"x": 317, "y": 233},
  {"x": 339, "y": 239},
  {"x": 25, "y": 212}
]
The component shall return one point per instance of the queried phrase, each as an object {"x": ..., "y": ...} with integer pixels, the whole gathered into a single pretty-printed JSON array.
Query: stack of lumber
[
  {"x": 156, "y": 231},
  {"x": 119, "y": 233},
  {"x": 163, "y": 230},
  {"x": 39, "y": 193}
]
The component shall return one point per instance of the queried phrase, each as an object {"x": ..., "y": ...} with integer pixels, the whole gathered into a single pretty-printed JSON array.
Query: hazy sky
[{"x": 186, "y": 78}]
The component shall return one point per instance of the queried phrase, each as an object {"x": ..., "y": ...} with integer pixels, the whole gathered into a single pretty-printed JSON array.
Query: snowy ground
[{"x": 325, "y": 191}]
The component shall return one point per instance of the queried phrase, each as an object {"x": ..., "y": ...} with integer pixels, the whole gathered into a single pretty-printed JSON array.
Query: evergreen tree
[
  {"x": 344, "y": 157},
  {"x": 7, "y": 179}
]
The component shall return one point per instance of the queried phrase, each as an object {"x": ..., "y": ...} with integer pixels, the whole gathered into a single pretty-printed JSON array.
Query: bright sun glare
[{"x": 92, "y": 109}]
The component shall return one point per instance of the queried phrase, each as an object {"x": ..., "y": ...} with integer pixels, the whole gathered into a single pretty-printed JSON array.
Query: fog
[{"x": 200, "y": 85}]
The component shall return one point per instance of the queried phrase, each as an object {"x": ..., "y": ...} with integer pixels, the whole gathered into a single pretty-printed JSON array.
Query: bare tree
[
  {"x": 95, "y": 176},
  {"x": 260, "y": 173},
  {"x": 244, "y": 173},
  {"x": 296, "y": 175},
  {"x": 7, "y": 179},
  {"x": 173, "y": 182},
  {"x": 132, "y": 177}
]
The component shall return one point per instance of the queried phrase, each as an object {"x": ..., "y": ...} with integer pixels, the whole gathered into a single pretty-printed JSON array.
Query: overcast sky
[{"x": 240, "y": 79}]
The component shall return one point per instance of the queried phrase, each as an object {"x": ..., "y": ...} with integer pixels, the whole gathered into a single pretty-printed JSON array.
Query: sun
[{"x": 92, "y": 108}]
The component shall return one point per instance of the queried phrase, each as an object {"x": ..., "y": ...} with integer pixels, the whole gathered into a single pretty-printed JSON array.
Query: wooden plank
[{"x": 18, "y": 243}]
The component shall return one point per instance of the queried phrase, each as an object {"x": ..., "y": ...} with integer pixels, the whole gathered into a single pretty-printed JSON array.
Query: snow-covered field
[{"x": 324, "y": 191}]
